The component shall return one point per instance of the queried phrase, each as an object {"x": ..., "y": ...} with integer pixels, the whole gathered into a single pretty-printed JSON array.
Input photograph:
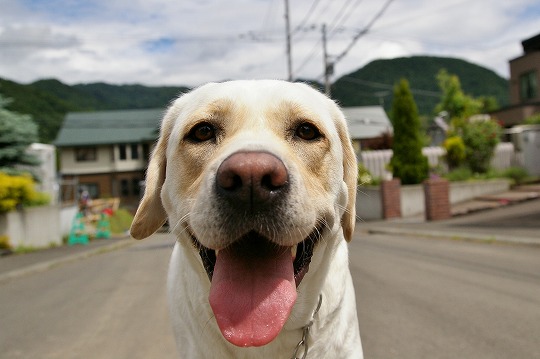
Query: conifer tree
[
  {"x": 17, "y": 132},
  {"x": 407, "y": 163}
]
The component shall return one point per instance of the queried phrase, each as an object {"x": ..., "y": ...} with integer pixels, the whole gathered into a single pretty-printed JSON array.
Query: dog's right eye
[{"x": 202, "y": 132}]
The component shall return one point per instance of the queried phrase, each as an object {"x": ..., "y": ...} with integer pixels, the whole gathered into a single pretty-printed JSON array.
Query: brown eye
[
  {"x": 202, "y": 132},
  {"x": 307, "y": 132}
]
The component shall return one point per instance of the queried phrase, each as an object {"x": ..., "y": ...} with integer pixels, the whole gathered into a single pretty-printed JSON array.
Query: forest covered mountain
[
  {"x": 49, "y": 100},
  {"x": 373, "y": 84}
]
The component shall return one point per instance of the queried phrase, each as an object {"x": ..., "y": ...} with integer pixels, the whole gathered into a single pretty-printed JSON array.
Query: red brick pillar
[
  {"x": 391, "y": 198},
  {"x": 437, "y": 199}
]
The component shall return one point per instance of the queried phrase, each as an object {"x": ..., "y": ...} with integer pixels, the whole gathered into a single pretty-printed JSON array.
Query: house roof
[
  {"x": 108, "y": 127},
  {"x": 367, "y": 121},
  {"x": 132, "y": 126}
]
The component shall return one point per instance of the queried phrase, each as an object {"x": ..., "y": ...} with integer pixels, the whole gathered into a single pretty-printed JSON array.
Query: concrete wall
[
  {"x": 368, "y": 203},
  {"x": 463, "y": 191},
  {"x": 36, "y": 227},
  {"x": 67, "y": 214},
  {"x": 369, "y": 207}
]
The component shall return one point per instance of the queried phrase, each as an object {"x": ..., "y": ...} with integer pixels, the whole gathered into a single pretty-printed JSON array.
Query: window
[
  {"x": 91, "y": 188},
  {"x": 123, "y": 151},
  {"x": 124, "y": 187},
  {"x": 135, "y": 186},
  {"x": 85, "y": 154},
  {"x": 134, "y": 151},
  {"x": 528, "y": 86},
  {"x": 146, "y": 151}
]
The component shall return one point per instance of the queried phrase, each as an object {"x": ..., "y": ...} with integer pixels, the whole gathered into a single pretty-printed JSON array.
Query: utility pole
[
  {"x": 288, "y": 30},
  {"x": 328, "y": 66}
]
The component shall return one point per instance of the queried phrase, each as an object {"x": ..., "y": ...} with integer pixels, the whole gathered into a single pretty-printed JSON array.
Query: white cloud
[{"x": 186, "y": 42}]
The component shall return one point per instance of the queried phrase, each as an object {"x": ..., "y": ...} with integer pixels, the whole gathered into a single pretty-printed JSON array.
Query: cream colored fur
[{"x": 256, "y": 116}]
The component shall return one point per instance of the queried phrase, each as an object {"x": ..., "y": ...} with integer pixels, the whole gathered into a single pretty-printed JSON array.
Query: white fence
[{"x": 377, "y": 161}]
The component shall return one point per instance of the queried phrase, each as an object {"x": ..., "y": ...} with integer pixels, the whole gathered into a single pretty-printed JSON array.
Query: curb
[
  {"x": 44, "y": 266},
  {"x": 448, "y": 234}
]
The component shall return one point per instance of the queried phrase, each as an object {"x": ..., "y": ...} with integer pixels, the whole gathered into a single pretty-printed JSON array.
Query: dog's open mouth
[
  {"x": 253, "y": 285},
  {"x": 252, "y": 244}
]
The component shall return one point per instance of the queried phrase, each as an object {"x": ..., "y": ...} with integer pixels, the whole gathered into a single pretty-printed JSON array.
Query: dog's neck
[{"x": 303, "y": 344}]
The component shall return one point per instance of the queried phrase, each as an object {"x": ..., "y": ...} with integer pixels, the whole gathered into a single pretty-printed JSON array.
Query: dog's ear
[
  {"x": 151, "y": 215},
  {"x": 350, "y": 177}
]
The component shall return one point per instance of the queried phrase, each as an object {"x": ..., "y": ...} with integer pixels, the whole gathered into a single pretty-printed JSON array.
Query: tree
[
  {"x": 17, "y": 132},
  {"x": 454, "y": 101},
  {"x": 407, "y": 163},
  {"x": 480, "y": 138}
]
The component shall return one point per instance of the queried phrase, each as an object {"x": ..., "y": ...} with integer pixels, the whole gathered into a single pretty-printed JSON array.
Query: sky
[{"x": 166, "y": 42}]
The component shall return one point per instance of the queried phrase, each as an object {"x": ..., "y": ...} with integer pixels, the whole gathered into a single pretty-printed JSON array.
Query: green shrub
[
  {"x": 533, "y": 120},
  {"x": 4, "y": 242},
  {"x": 517, "y": 174},
  {"x": 455, "y": 151},
  {"x": 480, "y": 139},
  {"x": 19, "y": 190},
  {"x": 459, "y": 174},
  {"x": 364, "y": 176}
]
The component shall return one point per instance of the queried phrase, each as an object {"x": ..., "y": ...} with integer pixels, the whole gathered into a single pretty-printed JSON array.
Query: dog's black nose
[{"x": 252, "y": 180}]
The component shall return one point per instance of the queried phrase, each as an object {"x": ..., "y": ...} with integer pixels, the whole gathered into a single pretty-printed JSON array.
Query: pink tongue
[{"x": 252, "y": 294}]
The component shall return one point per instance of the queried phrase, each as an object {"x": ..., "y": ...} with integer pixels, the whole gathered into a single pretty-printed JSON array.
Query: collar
[{"x": 303, "y": 344}]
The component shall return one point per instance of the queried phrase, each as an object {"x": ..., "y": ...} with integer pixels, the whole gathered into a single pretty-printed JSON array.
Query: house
[
  {"x": 106, "y": 152},
  {"x": 369, "y": 127},
  {"x": 524, "y": 85}
]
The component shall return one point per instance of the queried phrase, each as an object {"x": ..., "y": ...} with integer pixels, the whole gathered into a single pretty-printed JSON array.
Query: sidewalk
[
  {"x": 508, "y": 217},
  {"x": 16, "y": 265}
]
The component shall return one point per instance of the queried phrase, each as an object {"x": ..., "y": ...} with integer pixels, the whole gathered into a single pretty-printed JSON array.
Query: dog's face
[{"x": 253, "y": 174}]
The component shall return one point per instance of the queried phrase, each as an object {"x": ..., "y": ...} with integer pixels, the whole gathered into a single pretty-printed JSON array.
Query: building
[
  {"x": 524, "y": 85},
  {"x": 106, "y": 152},
  {"x": 369, "y": 127}
]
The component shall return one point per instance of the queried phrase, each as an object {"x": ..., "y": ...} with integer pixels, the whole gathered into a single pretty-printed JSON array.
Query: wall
[
  {"x": 36, "y": 227},
  {"x": 368, "y": 203},
  {"x": 368, "y": 199}
]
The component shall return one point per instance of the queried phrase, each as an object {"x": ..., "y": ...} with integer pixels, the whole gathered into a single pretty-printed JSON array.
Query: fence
[{"x": 377, "y": 161}]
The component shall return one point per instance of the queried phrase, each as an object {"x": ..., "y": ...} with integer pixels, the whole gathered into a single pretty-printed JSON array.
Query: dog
[{"x": 258, "y": 182}]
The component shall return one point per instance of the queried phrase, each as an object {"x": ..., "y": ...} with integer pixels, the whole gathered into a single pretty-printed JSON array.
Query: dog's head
[{"x": 253, "y": 174}]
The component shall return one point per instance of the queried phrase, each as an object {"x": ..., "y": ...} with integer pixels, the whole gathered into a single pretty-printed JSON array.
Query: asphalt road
[
  {"x": 433, "y": 298},
  {"x": 417, "y": 298}
]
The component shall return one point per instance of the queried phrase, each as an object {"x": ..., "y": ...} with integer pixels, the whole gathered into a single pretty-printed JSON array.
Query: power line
[
  {"x": 336, "y": 28},
  {"x": 303, "y": 23},
  {"x": 363, "y": 31},
  {"x": 384, "y": 86}
]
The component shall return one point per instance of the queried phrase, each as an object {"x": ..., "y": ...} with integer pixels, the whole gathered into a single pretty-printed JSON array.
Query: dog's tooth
[
  {"x": 217, "y": 252},
  {"x": 293, "y": 251}
]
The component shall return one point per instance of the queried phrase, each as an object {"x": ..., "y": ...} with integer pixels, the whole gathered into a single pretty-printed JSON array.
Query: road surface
[{"x": 417, "y": 298}]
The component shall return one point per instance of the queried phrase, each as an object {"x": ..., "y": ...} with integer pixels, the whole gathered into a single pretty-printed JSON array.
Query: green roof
[{"x": 109, "y": 127}]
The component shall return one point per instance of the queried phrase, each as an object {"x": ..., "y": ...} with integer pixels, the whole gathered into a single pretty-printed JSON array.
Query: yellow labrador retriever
[{"x": 258, "y": 182}]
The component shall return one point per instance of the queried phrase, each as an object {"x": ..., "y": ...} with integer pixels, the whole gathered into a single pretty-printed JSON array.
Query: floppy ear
[
  {"x": 151, "y": 215},
  {"x": 350, "y": 177}
]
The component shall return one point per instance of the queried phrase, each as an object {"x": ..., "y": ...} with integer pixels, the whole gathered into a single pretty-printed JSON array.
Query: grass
[{"x": 121, "y": 221}]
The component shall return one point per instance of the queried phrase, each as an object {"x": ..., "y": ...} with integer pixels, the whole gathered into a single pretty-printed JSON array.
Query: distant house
[
  {"x": 369, "y": 127},
  {"x": 106, "y": 152},
  {"x": 524, "y": 85}
]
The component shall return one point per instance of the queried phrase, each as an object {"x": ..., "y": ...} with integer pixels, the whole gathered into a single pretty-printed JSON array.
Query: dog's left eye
[
  {"x": 307, "y": 132},
  {"x": 202, "y": 132}
]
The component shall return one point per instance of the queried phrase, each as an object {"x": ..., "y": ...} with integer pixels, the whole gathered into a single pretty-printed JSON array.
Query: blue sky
[{"x": 163, "y": 42}]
